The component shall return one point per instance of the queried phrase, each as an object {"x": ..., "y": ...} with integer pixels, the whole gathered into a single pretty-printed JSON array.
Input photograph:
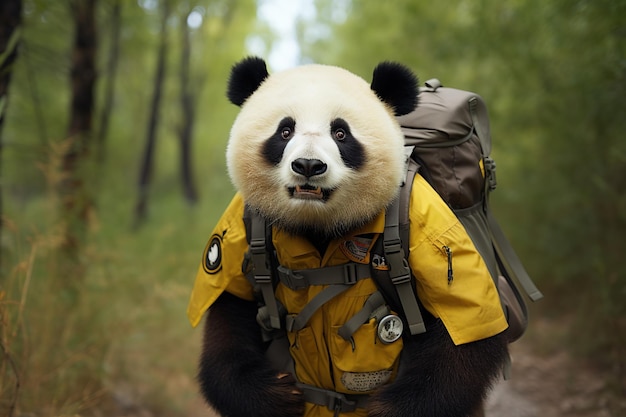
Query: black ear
[
  {"x": 397, "y": 86},
  {"x": 245, "y": 77}
]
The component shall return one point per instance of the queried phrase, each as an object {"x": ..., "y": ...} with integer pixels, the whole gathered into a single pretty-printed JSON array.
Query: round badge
[
  {"x": 213, "y": 255},
  {"x": 390, "y": 329}
]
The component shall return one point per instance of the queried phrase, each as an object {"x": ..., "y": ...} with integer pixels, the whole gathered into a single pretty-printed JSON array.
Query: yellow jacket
[{"x": 469, "y": 306}]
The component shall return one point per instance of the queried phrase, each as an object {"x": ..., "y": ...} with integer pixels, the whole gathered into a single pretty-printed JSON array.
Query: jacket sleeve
[
  {"x": 220, "y": 267},
  {"x": 453, "y": 282}
]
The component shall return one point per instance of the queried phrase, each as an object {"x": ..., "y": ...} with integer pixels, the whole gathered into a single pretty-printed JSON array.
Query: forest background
[{"x": 113, "y": 125}]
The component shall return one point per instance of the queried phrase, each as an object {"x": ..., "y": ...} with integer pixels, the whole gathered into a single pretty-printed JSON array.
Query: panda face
[
  {"x": 315, "y": 149},
  {"x": 313, "y": 160}
]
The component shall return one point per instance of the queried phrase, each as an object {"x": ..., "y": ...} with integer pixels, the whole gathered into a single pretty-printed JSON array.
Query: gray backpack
[{"x": 448, "y": 143}]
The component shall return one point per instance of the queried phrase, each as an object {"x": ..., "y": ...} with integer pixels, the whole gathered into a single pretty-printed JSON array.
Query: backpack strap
[
  {"x": 509, "y": 259},
  {"x": 375, "y": 306},
  {"x": 335, "y": 401},
  {"x": 295, "y": 322},
  {"x": 399, "y": 271},
  {"x": 505, "y": 252},
  {"x": 412, "y": 167},
  {"x": 257, "y": 265}
]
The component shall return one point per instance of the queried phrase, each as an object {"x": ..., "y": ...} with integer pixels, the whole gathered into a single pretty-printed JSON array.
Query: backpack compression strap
[
  {"x": 399, "y": 271},
  {"x": 504, "y": 250}
]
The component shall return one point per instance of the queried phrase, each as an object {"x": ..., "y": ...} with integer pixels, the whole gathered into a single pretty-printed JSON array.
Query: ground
[
  {"x": 550, "y": 386},
  {"x": 542, "y": 384}
]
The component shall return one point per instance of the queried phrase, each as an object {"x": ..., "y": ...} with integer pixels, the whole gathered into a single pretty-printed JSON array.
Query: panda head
[{"x": 316, "y": 149}]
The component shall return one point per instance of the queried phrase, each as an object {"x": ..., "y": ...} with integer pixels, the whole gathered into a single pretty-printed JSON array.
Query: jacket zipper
[{"x": 449, "y": 255}]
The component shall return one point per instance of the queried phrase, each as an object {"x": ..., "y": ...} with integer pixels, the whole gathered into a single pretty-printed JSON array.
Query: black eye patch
[
  {"x": 275, "y": 145},
  {"x": 350, "y": 149}
]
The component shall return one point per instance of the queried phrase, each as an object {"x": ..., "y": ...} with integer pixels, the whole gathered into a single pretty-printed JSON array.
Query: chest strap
[{"x": 346, "y": 274}]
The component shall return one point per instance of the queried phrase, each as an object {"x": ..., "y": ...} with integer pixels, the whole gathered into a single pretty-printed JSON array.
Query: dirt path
[
  {"x": 552, "y": 386},
  {"x": 542, "y": 385}
]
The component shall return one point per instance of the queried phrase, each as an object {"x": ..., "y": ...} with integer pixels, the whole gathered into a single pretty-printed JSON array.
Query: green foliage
[{"x": 119, "y": 338}]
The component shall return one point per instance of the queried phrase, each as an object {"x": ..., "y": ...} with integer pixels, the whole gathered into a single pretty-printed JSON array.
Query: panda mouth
[{"x": 309, "y": 192}]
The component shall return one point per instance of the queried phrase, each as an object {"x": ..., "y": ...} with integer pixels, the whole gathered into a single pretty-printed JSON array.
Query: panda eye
[
  {"x": 339, "y": 134},
  {"x": 286, "y": 129},
  {"x": 286, "y": 133}
]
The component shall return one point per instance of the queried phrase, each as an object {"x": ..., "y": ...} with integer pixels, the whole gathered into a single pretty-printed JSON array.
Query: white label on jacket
[{"x": 365, "y": 381}]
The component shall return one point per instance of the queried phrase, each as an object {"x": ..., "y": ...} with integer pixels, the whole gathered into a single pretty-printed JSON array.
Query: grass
[{"x": 122, "y": 339}]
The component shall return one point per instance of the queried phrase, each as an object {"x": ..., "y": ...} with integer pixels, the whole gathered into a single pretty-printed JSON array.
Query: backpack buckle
[
  {"x": 339, "y": 403},
  {"x": 349, "y": 274},
  {"x": 490, "y": 169},
  {"x": 292, "y": 280},
  {"x": 400, "y": 271}
]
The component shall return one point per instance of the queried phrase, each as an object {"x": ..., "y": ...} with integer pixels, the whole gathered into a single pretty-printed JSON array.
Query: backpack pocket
[{"x": 363, "y": 363}]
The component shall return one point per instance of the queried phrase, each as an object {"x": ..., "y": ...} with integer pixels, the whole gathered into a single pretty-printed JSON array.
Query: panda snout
[{"x": 308, "y": 167}]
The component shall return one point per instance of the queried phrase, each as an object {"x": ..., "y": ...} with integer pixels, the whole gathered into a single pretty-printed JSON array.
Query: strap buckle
[
  {"x": 349, "y": 274},
  {"x": 292, "y": 279},
  {"x": 400, "y": 271},
  {"x": 339, "y": 403},
  {"x": 257, "y": 246},
  {"x": 490, "y": 171},
  {"x": 256, "y": 255}
]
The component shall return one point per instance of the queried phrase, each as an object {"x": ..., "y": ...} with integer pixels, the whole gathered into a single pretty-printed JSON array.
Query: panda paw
[
  {"x": 269, "y": 396},
  {"x": 282, "y": 398}
]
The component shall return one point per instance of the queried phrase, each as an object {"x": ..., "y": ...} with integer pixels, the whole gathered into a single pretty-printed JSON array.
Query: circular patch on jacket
[
  {"x": 390, "y": 329},
  {"x": 213, "y": 255}
]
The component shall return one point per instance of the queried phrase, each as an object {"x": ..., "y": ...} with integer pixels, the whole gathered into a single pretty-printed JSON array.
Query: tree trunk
[
  {"x": 76, "y": 201},
  {"x": 10, "y": 21},
  {"x": 145, "y": 173},
  {"x": 109, "y": 89},
  {"x": 187, "y": 101}
]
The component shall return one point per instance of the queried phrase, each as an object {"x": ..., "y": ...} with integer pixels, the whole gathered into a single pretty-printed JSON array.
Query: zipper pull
[{"x": 450, "y": 273}]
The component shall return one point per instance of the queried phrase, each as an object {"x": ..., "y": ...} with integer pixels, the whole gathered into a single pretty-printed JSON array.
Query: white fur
[{"x": 315, "y": 95}]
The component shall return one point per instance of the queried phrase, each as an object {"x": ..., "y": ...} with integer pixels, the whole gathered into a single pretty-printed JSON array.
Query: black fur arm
[
  {"x": 437, "y": 378},
  {"x": 235, "y": 378}
]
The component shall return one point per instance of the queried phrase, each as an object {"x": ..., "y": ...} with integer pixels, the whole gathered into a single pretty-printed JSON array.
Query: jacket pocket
[
  {"x": 311, "y": 365},
  {"x": 363, "y": 363}
]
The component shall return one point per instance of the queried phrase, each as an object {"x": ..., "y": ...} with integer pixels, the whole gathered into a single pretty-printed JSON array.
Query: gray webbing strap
[
  {"x": 482, "y": 131},
  {"x": 509, "y": 258},
  {"x": 399, "y": 270},
  {"x": 335, "y": 401},
  {"x": 347, "y": 274},
  {"x": 373, "y": 303},
  {"x": 296, "y": 322},
  {"x": 505, "y": 251},
  {"x": 262, "y": 274},
  {"x": 405, "y": 192}
]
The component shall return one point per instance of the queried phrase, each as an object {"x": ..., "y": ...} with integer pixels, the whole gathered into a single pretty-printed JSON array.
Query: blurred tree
[
  {"x": 147, "y": 161},
  {"x": 75, "y": 197},
  {"x": 10, "y": 33},
  {"x": 115, "y": 27},
  {"x": 188, "y": 109}
]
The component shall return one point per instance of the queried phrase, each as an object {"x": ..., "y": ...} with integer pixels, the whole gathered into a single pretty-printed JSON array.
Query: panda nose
[{"x": 308, "y": 167}]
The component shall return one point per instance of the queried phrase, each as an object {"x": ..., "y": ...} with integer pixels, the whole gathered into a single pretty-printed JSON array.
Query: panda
[{"x": 317, "y": 154}]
